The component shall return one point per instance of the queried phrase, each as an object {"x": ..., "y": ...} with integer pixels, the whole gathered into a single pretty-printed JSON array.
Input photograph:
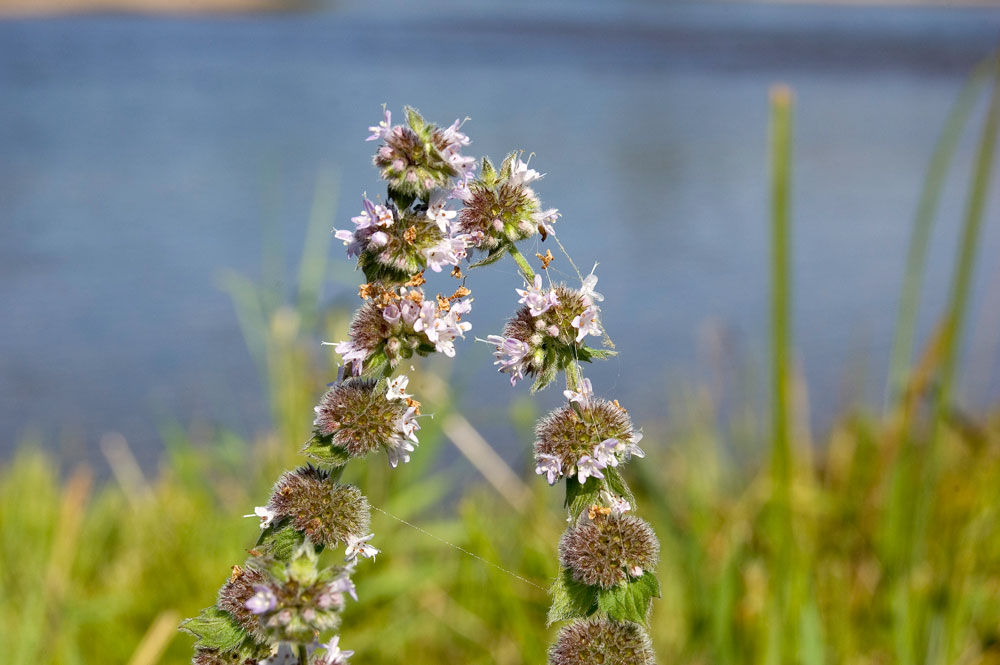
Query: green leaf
[
  {"x": 279, "y": 540},
  {"x": 613, "y": 479},
  {"x": 322, "y": 451},
  {"x": 570, "y": 599},
  {"x": 215, "y": 629},
  {"x": 588, "y": 354},
  {"x": 631, "y": 600},
  {"x": 494, "y": 256},
  {"x": 579, "y": 497}
]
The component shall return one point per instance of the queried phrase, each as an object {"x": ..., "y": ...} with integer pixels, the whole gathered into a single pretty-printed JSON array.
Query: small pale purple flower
[
  {"x": 396, "y": 388},
  {"x": 587, "y": 290},
  {"x": 605, "y": 452},
  {"x": 588, "y": 467},
  {"x": 587, "y": 323},
  {"x": 550, "y": 466},
  {"x": 265, "y": 514},
  {"x": 583, "y": 397},
  {"x": 344, "y": 584},
  {"x": 334, "y": 654},
  {"x": 391, "y": 314},
  {"x": 537, "y": 299},
  {"x": 631, "y": 448},
  {"x": 437, "y": 211},
  {"x": 262, "y": 601},
  {"x": 512, "y": 356},
  {"x": 383, "y": 128},
  {"x": 359, "y": 546}
]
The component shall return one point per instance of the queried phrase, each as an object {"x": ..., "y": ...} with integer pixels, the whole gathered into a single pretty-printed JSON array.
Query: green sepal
[
  {"x": 570, "y": 599},
  {"x": 215, "y": 629},
  {"x": 279, "y": 540},
  {"x": 487, "y": 174},
  {"x": 505, "y": 167},
  {"x": 630, "y": 600},
  {"x": 322, "y": 451},
  {"x": 579, "y": 496},
  {"x": 414, "y": 119},
  {"x": 493, "y": 256}
]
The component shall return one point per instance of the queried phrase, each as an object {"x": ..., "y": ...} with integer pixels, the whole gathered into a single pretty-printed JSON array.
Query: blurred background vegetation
[{"x": 877, "y": 544}]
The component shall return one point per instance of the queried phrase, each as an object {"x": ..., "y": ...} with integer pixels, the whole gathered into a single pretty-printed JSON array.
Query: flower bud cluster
[
  {"x": 296, "y": 600},
  {"x": 584, "y": 438},
  {"x": 393, "y": 245},
  {"x": 418, "y": 157},
  {"x": 362, "y": 416},
  {"x": 602, "y": 641},
  {"x": 548, "y": 332},
  {"x": 396, "y": 324},
  {"x": 500, "y": 208},
  {"x": 606, "y": 547},
  {"x": 327, "y": 512}
]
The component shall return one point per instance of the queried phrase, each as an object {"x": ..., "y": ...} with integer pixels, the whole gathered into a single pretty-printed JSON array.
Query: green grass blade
[
  {"x": 937, "y": 171},
  {"x": 966, "y": 259}
]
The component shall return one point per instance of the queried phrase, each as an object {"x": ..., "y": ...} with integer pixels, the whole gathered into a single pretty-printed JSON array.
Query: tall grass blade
[
  {"x": 966, "y": 259},
  {"x": 937, "y": 171}
]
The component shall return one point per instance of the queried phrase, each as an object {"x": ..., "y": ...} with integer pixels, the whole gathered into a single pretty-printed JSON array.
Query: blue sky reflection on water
[{"x": 138, "y": 154}]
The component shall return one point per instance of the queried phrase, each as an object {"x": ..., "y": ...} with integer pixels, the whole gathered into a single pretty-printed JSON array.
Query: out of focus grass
[{"x": 879, "y": 544}]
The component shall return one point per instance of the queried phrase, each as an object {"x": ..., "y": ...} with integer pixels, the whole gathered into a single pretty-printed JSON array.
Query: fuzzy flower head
[
  {"x": 327, "y": 512},
  {"x": 419, "y": 157},
  {"x": 547, "y": 333},
  {"x": 500, "y": 208},
  {"x": 358, "y": 417},
  {"x": 588, "y": 641},
  {"x": 296, "y": 599},
  {"x": 394, "y": 325},
  {"x": 237, "y": 591},
  {"x": 608, "y": 549},
  {"x": 394, "y": 245},
  {"x": 585, "y": 438}
]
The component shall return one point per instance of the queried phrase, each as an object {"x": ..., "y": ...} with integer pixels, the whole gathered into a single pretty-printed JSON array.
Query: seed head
[
  {"x": 589, "y": 641},
  {"x": 608, "y": 549},
  {"x": 328, "y": 513},
  {"x": 569, "y": 435},
  {"x": 233, "y": 597},
  {"x": 500, "y": 208}
]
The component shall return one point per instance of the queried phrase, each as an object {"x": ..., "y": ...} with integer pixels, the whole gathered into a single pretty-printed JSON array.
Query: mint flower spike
[
  {"x": 280, "y": 605},
  {"x": 607, "y": 553}
]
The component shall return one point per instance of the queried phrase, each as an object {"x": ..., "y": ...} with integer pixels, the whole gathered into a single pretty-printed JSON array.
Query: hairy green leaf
[
  {"x": 570, "y": 599},
  {"x": 631, "y": 600},
  {"x": 279, "y": 540},
  {"x": 322, "y": 451},
  {"x": 215, "y": 629}
]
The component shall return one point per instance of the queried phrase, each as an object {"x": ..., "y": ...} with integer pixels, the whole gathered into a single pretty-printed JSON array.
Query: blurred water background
[{"x": 142, "y": 156}]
